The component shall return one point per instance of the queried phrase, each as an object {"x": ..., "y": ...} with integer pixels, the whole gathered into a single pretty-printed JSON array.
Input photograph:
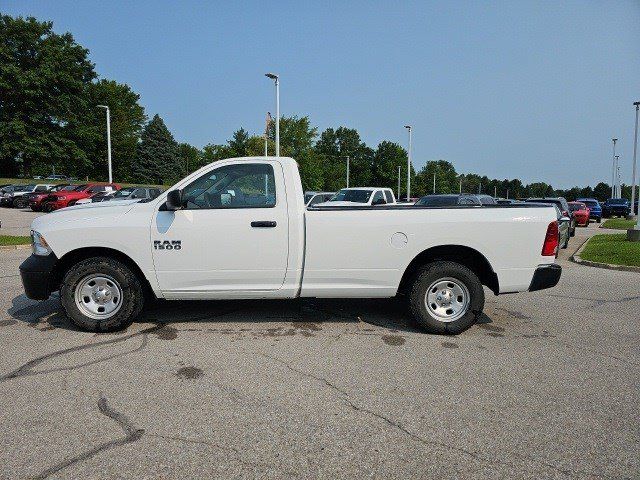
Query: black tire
[
  {"x": 131, "y": 302},
  {"x": 566, "y": 243},
  {"x": 599, "y": 219},
  {"x": 18, "y": 203},
  {"x": 47, "y": 207},
  {"x": 440, "y": 270}
]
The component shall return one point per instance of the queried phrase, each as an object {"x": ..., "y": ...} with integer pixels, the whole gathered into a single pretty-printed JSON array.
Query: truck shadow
[{"x": 384, "y": 313}]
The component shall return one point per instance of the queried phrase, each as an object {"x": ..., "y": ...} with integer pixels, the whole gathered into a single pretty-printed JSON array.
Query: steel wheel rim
[
  {"x": 447, "y": 299},
  {"x": 98, "y": 296}
]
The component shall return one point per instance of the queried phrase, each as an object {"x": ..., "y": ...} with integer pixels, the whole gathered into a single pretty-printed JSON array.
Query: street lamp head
[
  {"x": 614, "y": 139},
  {"x": 408, "y": 126},
  {"x": 272, "y": 76},
  {"x": 636, "y": 104},
  {"x": 102, "y": 106}
]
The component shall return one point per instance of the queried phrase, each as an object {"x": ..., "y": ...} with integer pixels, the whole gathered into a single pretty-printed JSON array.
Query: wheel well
[
  {"x": 466, "y": 256},
  {"x": 75, "y": 256}
]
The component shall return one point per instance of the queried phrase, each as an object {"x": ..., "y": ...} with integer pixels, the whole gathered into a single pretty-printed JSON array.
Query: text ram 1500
[{"x": 239, "y": 229}]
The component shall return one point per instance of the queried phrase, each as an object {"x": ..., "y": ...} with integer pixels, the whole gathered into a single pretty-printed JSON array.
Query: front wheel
[
  {"x": 446, "y": 298},
  {"x": 101, "y": 294}
]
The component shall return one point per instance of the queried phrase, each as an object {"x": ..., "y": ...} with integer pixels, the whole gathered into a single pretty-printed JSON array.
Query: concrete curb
[
  {"x": 15, "y": 247},
  {"x": 575, "y": 258}
]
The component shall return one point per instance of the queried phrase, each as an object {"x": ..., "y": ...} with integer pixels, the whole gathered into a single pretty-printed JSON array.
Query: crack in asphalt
[
  {"x": 26, "y": 369},
  {"x": 405, "y": 431},
  {"x": 132, "y": 434}
]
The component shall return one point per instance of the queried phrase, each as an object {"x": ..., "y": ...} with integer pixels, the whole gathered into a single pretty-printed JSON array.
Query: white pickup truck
[{"x": 239, "y": 229}]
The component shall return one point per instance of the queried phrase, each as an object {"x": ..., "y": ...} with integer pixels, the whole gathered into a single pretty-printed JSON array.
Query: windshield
[
  {"x": 68, "y": 188},
  {"x": 357, "y": 196},
  {"x": 576, "y": 206},
  {"x": 618, "y": 201},
  {"x": 24, "y": 188},
  {"x": 590, "y": 203},
  {"x": 125, "y": 192},
  {"x": 80, "y": 188}
]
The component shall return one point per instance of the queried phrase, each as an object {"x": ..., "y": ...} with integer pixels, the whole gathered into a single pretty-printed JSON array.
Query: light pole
[
  {"x": 276, "y": 79},
  {"x": 108, "y": 140},
  {"x": 399, "y": 167},
  {"x": 434, "y": 183},
  {"x": 408, "y": 127},
  {"x": 618, "y": 193},
  {"x": 460, "y": 184},
  {"x": 633, "y": 175},
  {"x": 347, "y": 171},
  {"x": 613, "y": 170}
]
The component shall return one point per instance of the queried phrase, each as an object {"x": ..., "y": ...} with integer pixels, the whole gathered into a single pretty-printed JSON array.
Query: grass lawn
[
  {"x": 614, "y": 249},
  {"x": 11, "y": 240},
  {"x": 618, "y": 223}
]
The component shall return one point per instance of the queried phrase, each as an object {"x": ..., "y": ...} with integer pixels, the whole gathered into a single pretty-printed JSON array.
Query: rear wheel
[
  {"x": 101, "y": 294},
  {"x": 446, "y": 298}
]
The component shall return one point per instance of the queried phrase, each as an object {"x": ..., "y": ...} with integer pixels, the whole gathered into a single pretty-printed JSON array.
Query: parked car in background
[
  {"x": 97, "y": 197},
  {"x": 563, "y": 228},
  {"x": 67, "y": 198},
  {"x": 595, "y": 210},
  {"x": 126, "y": 193},
  {"x": 616, "y": 207},
  {"x": 56, "y": 177},
  {"x": 563, "y": 205},
  {"x": 448, "y": 200},
  {"x": 36, "y": 199},
  {"x": 635, "y": 207},
  {"x": 312, "y": 198},
  {"x": 359, "y": 196},
  {"x": 507, "y": 201},
  {"x": 14, "y": 198},
  {"x": 580, "y": 213}
]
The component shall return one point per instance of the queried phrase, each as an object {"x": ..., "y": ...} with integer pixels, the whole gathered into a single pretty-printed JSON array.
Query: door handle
[{"x": 263, "y": 224}]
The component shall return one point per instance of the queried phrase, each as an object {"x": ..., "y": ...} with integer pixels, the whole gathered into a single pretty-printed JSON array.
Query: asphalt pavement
[{"x": 545, "y": 386}]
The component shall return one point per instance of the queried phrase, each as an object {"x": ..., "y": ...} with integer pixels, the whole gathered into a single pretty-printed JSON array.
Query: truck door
[{"x": 230, "y": 235}]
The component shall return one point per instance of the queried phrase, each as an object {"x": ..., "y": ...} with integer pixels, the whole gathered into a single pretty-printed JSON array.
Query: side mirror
[{"x": 174, "y": 200}]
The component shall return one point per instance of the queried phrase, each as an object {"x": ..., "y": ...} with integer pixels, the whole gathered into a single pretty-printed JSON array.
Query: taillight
[{"x": 551, "y": 240}]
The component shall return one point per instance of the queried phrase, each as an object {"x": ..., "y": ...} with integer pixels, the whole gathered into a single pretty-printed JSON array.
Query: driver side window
[{"x": 242, "y": 185}]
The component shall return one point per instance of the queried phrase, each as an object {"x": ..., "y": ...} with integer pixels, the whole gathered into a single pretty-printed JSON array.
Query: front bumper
[
  {"x": 37, "y": 276},
  {"x": 545, "y": 276}
]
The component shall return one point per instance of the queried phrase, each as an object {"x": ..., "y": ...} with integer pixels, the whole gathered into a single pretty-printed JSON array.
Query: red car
[
  {"x": 36, "y": 199},
  {"x": 580, "y": 213},
  {"x": 67, "y": 198}
]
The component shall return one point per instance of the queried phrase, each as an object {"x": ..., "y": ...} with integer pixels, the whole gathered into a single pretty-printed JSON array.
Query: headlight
[{"x": 39, "y": 244}]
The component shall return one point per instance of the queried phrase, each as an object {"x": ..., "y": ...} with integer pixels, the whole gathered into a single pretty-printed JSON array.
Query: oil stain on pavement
[{"x": 189, "y": 373}]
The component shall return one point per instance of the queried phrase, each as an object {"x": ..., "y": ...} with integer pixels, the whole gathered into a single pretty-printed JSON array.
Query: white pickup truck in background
[
  {"x": 348, "y": 197},
  {"x": 239, "y": 229}
]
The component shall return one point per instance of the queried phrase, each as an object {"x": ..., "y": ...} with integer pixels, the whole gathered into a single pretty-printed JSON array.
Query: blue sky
[{"x": 533, "y": 90}]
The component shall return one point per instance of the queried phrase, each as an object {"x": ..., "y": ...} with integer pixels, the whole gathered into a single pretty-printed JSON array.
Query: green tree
[
  {"x": 386, "y": 160},
  {"x": 127, "y": 120},
  {"x": 602, "y": 191},
  {"x": 158, "y": 159},
  {"x": 190, "y": 157},
  {"x": 238, "y": 143},
  {"x": 43, "y": 79},
  {"x": 333, "y": 147},
  {"x": 447, "y": 180}
]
